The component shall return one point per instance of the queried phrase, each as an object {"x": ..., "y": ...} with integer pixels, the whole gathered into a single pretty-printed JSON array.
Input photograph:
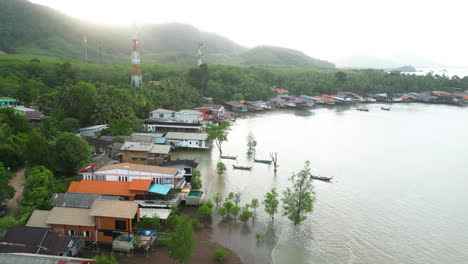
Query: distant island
[{"x": 406, "y": 68}]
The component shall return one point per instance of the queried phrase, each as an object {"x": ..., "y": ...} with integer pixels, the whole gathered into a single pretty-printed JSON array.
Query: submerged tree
[
  {"x": 274, "y": 158},
  {"x": 217, "y": 197},
  {"x": 271, "y": 203},
  {"x": 182, "y": 241},
  {"x": 251, "y": 144},
  {"x": 218, "y": 134},
  {"x": 254, "y": 204},
  {"x": 220, "y": 168},
  {"x": 299, "y": 200},
  {"x": 196, "y": 182}
]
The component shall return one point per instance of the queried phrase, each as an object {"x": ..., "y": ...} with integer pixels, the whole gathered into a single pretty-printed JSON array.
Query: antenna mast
[
  {"x": 86, "y": 47},
  {"x": 136, "y": 79},
  {"x": 200, "y": 54}
]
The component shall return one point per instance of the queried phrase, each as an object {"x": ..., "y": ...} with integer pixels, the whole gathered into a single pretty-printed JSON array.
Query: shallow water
[{"x": 398, "y": 193}]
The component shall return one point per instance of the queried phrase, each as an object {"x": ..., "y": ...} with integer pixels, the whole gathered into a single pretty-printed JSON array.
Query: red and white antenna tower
[
  {"x": 200, "y": 54},
  {"x": 136, "y": 79}
]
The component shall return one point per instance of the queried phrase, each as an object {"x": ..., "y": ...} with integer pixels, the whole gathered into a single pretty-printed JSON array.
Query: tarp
[{"x": 159, "y": 188}]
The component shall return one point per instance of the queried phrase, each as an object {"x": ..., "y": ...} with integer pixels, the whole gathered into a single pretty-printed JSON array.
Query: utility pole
[{"x": 200, "y": 54}]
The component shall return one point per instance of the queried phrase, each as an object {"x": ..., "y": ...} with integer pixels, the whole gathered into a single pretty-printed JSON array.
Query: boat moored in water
[
  {"x": 228, "y": 157},
  {"x": 263, "y": 161},
  {"x": 362, "y": 109},
  {"x": 386, "y": 108},
  {"x": 241, "y": 167},
  {"x": 321, "y": 178}
]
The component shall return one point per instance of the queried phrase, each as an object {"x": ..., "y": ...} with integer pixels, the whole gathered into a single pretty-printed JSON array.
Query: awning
[
  {"x": 159, "y": 188},
  {"x": 160, "y": 140}
]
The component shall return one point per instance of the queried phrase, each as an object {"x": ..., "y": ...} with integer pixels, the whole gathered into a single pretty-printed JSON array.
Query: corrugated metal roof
[
  {"x": 70, "y": 216},
  {"x": 118, "y": 209},
  {"x": 160, "y": 140},
  {"x": 161, "y": 110},
  {"x": 186, "y": 136},
  {"x": 159, "y": 188},
  {"x": 78, "y": 200},
  {"x": 39, "y": 219},
  {"x": 140, "y": 167}
]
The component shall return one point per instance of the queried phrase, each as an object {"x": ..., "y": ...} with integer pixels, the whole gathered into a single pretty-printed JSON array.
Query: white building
[
  {"x": 162, "y": 114},
  {"x": 188, "y": 116},
  {"x": 187, "y": 140},
  {"x": 127, "y": 172}
]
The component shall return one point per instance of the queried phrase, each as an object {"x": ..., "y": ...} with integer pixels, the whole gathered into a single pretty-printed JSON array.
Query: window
[
  {"x": 120, "y": 225},
  {"x": 107, "y": 233},
  {"x": 161, "y": 115},
  {"x": 87, "y": 234},
  {"x": 71, "y": 232},
  {"x": 123, "y": 178}
]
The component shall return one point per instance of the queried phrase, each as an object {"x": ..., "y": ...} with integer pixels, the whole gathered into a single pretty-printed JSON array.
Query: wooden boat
[
  {"x": 263, "y": 161},
  {"x": 362, "y": 109},
  {"x": 228, "y": 157},
  {"x": 386, "y": 108},
  {"x": 321, "y": 178},
  {"x": 241, "y": 167}
]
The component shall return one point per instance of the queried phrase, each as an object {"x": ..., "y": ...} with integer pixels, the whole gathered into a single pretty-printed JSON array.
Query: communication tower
[
  {"x": 200, "y": 54},
  {"x": 136, "y": 79}
]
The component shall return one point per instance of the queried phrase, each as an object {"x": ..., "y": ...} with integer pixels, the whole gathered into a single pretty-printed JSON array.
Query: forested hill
[
  {"x": 277, "y": 56},
  {"x": 36, "y": 30}
]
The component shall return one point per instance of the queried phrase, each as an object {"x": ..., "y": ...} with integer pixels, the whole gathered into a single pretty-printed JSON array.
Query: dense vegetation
[{"x": 29, "y": 29}]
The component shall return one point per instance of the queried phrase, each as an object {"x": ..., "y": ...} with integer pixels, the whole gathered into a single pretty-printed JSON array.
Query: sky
[{"x": 325, "y": 29}]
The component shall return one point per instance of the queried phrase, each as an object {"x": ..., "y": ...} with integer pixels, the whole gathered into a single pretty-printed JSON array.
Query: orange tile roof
[
  {"x": 139, "y": 185},
  {"x": 280, "y": 90},
  {"x": 101, "y": 187},
  {"x": 464, "y": 96},
  {"x": 404, "y": 97},
  {"x": 442, "y": 92}
]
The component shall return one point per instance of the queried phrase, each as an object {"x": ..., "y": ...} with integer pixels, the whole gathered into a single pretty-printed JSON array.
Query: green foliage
[
  {"x": 196, "y": 224},
  {"x": 299, "y": 200},
  {"x": 254, "y": 204},
  {"x": 245, "y": 216},
  {"x": 49, "y": 128},
  {"x": 182, "y": 241},
  {"x": 271, "y": 203},
  {"x": 105, "y": 259},
  {"x": 209, "y": 204},
  {"x": 6, "y": 191},
  {"x": 120, "y": 127},
  {"x": 259, "y": 236},
  {"x": 230, "y": 196},
  {"x": 196, "y": 181},
  {"x": 228, "y": 205},
  {"x": 39, "y": 151},
  {"x": 220, "y": 254},
  {"x": 7, "y": 222},
  {"x": 72, "y": 152},
  {"x": 235, "y": 211},
  {"x": 39, "y": 187},
  {"x": 217, "y": 197},
  {"x": 151, "y": 223},
  {"x": 204, "y": 211},
  {"x": 222, "y": 211},
  {"x": 218, "y": 134},
  {"x": 220, "y": 168},
  {"x": 69, "y": 124}
]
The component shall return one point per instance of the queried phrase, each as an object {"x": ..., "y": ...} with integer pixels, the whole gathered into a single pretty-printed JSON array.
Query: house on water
[
  {"x": 187, "y": 140},
  {"x": 145, "y": 153}
]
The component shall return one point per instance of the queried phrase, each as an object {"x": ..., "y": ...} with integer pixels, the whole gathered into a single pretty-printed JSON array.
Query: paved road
[{"x": 16, "y": 182}]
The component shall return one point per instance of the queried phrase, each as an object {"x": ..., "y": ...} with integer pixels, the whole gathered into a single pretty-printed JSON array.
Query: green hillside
[{"x": 28, "y": 29}]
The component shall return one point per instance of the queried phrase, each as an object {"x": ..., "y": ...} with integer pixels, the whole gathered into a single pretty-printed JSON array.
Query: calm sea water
[{"x": 399, "y": 194}]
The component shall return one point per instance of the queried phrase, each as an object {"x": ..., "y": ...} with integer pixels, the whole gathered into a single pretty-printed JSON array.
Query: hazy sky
[{"x": 326, "y": 29}]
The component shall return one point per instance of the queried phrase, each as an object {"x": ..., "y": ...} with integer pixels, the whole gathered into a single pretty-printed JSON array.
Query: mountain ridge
[{"x": 27, "y": 28}]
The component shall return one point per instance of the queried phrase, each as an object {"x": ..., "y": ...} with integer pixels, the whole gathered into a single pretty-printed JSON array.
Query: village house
[
  {"x": 213, "y": 109},
  {"x": 145, "y": 153},
  {"x": 8, "y": 102},
  {"x": 162, "y": 114},
  {"x": 163, "y": 125},
  {"x": 256, "y": 105},
  {"x": 187, "y": 165},
  {"x": 183, "y": 116},
  {"x": 281, "y": 92},
  {"x": 40, "y": 241},
  {"x": 236, "y": 106},
  {"x": 104, "y": 221},
  {"x": 92, "y": 131},
  {"x": 98, "y": 145},
  {"x": 128, "y": 172},
  {"x": 187, "y": 140}
]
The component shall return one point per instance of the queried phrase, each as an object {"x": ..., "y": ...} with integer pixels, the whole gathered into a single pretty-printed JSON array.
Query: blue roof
[
  {"x": 160, "y": 140},
  {"x": 159, "y": 188}
]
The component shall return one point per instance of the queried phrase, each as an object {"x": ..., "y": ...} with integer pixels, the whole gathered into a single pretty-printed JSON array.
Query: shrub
[
  {"x": 209, "y": 204},
  {"x": 220, "y": 254},
  {"x": 204, "y": 211}
]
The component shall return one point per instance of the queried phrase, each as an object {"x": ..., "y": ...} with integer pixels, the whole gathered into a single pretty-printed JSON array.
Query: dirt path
[{"x": 17, "y": 182}]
